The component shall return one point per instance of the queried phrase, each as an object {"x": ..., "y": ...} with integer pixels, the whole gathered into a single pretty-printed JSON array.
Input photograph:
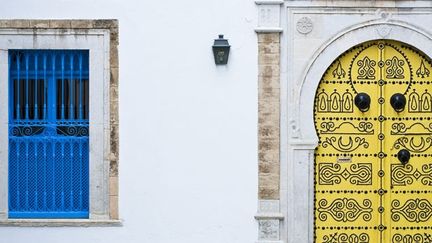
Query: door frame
[
  {"x": 297, "y": 41},
  {"x": 297, "y": 176}
]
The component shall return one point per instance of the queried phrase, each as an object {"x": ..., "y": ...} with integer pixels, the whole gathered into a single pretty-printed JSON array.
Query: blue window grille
[{"x": 48, "y": 134}]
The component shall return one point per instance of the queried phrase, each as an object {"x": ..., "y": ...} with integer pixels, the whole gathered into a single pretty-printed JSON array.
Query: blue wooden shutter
[{"x": 48, "y": 134}]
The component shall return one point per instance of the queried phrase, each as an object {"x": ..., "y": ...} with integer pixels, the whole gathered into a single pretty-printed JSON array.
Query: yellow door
[{"x": 373, "y": 165}]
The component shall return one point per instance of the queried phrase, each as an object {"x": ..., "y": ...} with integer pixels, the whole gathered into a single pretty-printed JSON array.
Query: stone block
[
  {"x": 113, "y": 207},
  {"x": 105, "y": 23},
  {"x": 114, "y": 76},
  {"x": 81, "y": 24},
  {"x": 268, "y": 193},
  {"x": 269, "y": 167},
  {"x": 60, "y": 24},
  {"x": 39, "y": 24},
  {"x": 114, "y": 140},
  {"x": 269, "y": 48},
  {"x": 114, "y": 36},
  {"x": 113, "y": 186},
  {"x": 114, "y": 106},
  {"x": 269, "y": 82},
  {"x": 269, "y": 158},
  {"x": 268, "y": 37},
  {"x": 113, "y": 166},
  {"x": 269, "y": 59},
  {"x": 15, "y": 23},
  {"x": 114, "y": 61},
  {"x": 269, "y": 71}
]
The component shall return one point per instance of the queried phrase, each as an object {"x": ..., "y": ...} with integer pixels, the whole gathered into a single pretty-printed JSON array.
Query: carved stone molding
[
  {"x": 269, "y": 219},
  {"x": 304, "y": 25},
  {"x": 269, "y": 13},
  {"x": 383, "y": 14},
  {"x": 383, "y": 30},
  {"x": 294, "y": 128}
]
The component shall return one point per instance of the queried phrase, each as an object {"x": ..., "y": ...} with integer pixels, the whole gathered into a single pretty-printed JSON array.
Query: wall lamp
[{"x": 221, "y": 50}]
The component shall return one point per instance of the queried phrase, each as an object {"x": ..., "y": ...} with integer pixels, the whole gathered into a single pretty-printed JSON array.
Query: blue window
[{"x": 48, "y": 134}]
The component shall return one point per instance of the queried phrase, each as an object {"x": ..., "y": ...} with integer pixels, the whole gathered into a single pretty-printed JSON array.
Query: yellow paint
[{"x": 349, "y": 192}]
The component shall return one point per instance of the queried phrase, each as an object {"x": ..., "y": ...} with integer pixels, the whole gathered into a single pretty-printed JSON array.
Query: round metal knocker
[
  {"x": 398, "y": 101},
  {"x": 362, "y": 101},
  {"x": 404, "y": 156}
]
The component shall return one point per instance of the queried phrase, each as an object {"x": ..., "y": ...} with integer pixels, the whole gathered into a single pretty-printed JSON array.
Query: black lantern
[{"x": 221, "y": 50}]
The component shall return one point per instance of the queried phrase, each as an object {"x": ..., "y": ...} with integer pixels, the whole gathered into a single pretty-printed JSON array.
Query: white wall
[{"x": 188, "y": 165}]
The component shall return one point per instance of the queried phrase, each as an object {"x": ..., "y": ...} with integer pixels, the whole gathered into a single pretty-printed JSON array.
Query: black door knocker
[
  {"x": 398, "y": 102},
  {"x": 404, "y": 156},
  {"x": 362, "y": 101}
]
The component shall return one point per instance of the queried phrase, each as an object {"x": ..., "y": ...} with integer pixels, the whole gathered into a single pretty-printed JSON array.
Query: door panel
[
  {"x": 346, "y": 195},
  {"x": 363, "y": 193},
  {"x": 410, "y": 197}
]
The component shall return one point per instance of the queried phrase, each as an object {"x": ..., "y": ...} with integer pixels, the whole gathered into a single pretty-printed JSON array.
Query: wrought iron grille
[{"x": 48, "y": 133}]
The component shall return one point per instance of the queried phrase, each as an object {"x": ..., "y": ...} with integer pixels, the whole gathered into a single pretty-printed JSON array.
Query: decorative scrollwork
[
  {"x": 339, "y": 72},
  {"x": 414, "y": 143},
  {"x": 363, "y": 128},
  {"x": 395, "y": 68},
  {"x": 417, "y": 138},
  {"x": 422, "y": 71},
  {"x": 79, "y": 131},
  {"x": 414, "y": 210},
  {"x": 356, "y": 174},
  {"x": 415, "y": 129},
  {"x": 412, "y": 238},
  {"x": 344, "y": 210},
  {"x": 49, "y": 130},
  {"x": 366, "y": 68},
  {"x": 366, "y": 127},
  {"x": 398, "y": 128},
  {"x": 22, "y": 131},
  {"x": 406, "y": 175},
  {"x": 341, "y": 146},
  {"x": 345, "y": 238}
]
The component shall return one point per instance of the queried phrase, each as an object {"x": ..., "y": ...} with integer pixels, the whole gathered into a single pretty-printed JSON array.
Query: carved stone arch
[{"x": 303, "y": 144}]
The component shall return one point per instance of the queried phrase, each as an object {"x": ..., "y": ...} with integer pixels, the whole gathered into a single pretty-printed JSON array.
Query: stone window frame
[{"x": 100, "y": 37}]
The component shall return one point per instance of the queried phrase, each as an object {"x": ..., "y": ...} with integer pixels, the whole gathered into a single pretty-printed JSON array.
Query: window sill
[{"x": 60, "y": 223}]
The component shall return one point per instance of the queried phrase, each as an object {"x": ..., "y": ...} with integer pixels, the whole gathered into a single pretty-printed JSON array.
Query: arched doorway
[{"x": 373, "y": 169}]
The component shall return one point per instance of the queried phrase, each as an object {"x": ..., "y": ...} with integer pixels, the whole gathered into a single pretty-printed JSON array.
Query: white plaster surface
[{"x": 188, "y": 129}]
